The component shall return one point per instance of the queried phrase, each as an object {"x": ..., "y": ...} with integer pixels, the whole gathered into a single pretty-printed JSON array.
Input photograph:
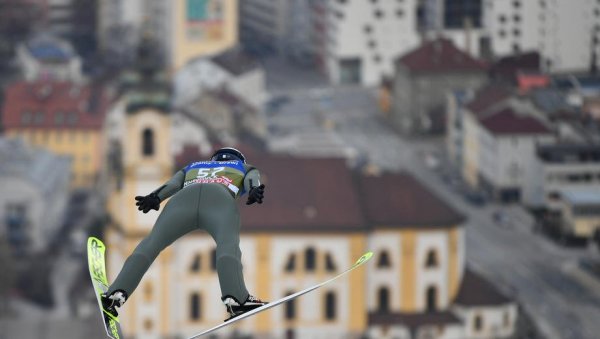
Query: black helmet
[{"x": 228, "y": 154}]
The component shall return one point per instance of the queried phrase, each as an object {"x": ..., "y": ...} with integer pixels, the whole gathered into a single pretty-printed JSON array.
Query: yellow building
[
  {"x": 309, "y": 229},
  {"x": 63, "y": 117},
  {"x": 202, "y": 28}
]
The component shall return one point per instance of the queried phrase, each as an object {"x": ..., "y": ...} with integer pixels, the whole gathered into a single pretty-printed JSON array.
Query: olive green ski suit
[{"x": 203, "y": 196}]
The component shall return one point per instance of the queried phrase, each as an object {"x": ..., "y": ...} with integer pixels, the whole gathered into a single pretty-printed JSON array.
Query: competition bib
[{"x": 228, "y": 173}]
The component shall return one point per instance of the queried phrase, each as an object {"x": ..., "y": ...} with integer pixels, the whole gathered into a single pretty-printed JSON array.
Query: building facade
[
  {"x": 422, "y": 79},
  {"x": 548, "y": 27},
  {"x": 63, "y": 117},
  {"x": 201, "y": 28},
  {"x": 33, "y": 199},
  {"x": 499, "y": 142},
  {"x": 183, "y": 29},
  {"x": 364, "y": 38}
]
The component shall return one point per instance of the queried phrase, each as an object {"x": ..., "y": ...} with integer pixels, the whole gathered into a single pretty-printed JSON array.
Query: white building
[
  {"x": 46, "y": 57},
  {"x": 562, "y": 31},
  {"x": 364, "y": 38},
  {"x": 499, "y": 143},
  {"x": 34, "y": 187}
]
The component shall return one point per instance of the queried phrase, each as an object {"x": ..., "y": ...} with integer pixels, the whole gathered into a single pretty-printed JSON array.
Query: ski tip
[{"x": 364, "y": 258}]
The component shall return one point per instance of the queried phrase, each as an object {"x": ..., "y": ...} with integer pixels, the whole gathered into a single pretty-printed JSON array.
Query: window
[
  {"x": 478, "y": 323},
  {"x": 383, "y": 297},
  {"x": 196, "y": 263},
  {"x": 384, "y": 260},
  {"x": 148, "y": 142},
  {"x": 195, "y": 311},
  {"x": 431, "y": 299},
  {"x": 517, "y": 32},
  {"x": 59, "y": 118},
  {"x": 330, "y": 309},
  {"x": 26, "y": 117},
  {"x": 72, "y": 118},
  {"x": 339, "y": 15},
  {"x": 148, "y": 291},
  {"x": 506, "y": 319},
  {"x": 377, "y": 58},
  {"x": 400, "y": 13},
  {"x": 39, "y": 118},
  {"x": 516, "y": 48},
  {"x": 329, "y": 264},
  {"x": 502, "y": 18},
  {"x": 213, "y": 260},
  {"x": 342, "y": 1},
  {"x": 310, "y": 259},
  {"x": 291, "y": 263},
  {"x": 432, "y": 259},
  {"x": 378, "y": 14},
  {"x": 148, "y": 324},
  {"x": 368, "y": 29},
  {"x": 290, "y": 308},
  {"x": 372, "y": 43},
  {"x": 516, "y": 4},
  {"x": 501, "y": 33},
  {"x": 517, "y": 18}
]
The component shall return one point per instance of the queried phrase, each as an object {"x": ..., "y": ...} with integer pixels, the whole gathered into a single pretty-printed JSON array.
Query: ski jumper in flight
[{"x": 203, "y": 196}]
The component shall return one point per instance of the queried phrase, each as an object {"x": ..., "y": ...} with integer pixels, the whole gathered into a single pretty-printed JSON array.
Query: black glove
[
  {"x": 147, "y": 203},
  {"x": 256, "y": 194}
]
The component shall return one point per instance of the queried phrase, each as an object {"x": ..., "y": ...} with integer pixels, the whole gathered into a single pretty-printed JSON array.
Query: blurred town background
[{"x": 456, "y": 139}]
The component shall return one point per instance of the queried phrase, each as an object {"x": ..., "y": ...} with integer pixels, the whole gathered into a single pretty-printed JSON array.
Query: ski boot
[
  {"x": 235, "y": 308},
  {"x": 112, "y": 301}
]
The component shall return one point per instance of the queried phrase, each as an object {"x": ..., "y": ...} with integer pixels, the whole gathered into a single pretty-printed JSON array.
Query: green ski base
[{"x": 97, "y": 266}]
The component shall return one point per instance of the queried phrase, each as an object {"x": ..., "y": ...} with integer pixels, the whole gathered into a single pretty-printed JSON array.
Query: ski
[
  {"x": 97, "y": 267},
  {"x": 358, "y": 263}
]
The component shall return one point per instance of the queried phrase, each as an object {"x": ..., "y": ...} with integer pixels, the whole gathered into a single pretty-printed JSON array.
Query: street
[{"x": 544, "y": 277}]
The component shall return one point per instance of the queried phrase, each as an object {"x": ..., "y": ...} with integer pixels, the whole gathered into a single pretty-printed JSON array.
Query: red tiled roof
[
  {"x": 507, "y": 121},
  {"x": 399, "y": 200},
  {"x": 440, "y": 56},
  {"x": 477, "y": 291},
  {"x": 486, "y": 97},
  {"x": 53, "y": 105},
  {"x": 315, "y": 194},
  {"x": 304, "y": 195}
]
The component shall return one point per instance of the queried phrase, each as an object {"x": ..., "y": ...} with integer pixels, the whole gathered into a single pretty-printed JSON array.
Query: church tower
[{"x": 142, "y": 164}]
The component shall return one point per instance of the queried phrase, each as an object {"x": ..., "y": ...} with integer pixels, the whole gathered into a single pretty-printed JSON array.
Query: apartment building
[
  {"x": 364, "y": 38},
  {"x": 564, "y": 32}
]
